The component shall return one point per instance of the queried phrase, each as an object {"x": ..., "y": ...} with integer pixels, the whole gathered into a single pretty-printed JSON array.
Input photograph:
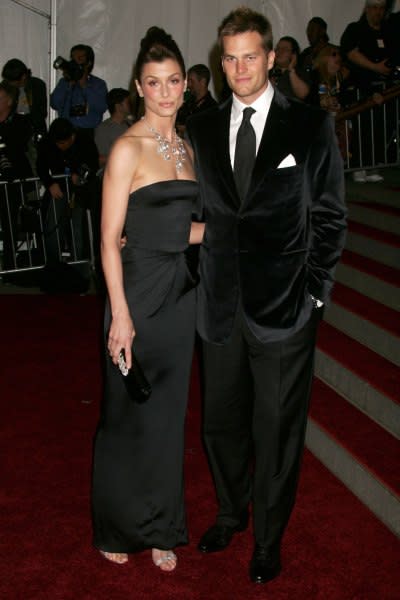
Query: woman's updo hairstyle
[{"x": 157, "y": 46}]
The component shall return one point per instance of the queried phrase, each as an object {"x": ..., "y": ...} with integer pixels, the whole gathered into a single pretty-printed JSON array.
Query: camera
[
  {"x": 78, "y": 110},
  {"x": 71, "y": 69},
  {"x": 84, "y": 174}
]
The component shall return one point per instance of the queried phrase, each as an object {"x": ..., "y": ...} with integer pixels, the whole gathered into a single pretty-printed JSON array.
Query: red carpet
[
  {"x": 355, "y": 431},
  {"x": 377, "y": 371},
  {"x": 370, "y": 310},
  {"x": 382, "y": 208},
  {"x": 374, "y": 234},
  {"x": 371, "y": 267},
  {"x": 334, "y": 549}
]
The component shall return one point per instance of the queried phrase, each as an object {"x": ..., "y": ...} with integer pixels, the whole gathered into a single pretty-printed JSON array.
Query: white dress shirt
[{"x": 261, "y": 106}]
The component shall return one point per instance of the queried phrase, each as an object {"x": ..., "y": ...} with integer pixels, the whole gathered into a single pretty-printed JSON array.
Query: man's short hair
[
  {"x": 61, "y": 130},
  {"x": 294, "y": 43},
  {"x": 88, "y": 51},
  {"x": 116, "y": 96},
  {"x": 319, "y": 21},
  {"x": 14, "y": 69},
  {"x": 242, "y": 20},
  {"x": 201, "y": 71}
]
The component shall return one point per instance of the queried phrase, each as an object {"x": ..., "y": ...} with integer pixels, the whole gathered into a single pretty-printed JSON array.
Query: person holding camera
[
  {"x": 79, "y": 96},
  {"x": 66, "y": 151}
]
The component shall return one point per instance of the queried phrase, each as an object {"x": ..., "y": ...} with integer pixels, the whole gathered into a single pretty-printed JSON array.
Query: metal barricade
[
  {"x": 372, "y": 133},
  {"x": 38, "y": 230}
]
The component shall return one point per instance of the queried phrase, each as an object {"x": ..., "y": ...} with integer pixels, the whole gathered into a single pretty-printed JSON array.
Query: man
[
  {"x": 366, "y": 46},
  {"x": 287, "y": 77},
  {"x": 318, "y": 38},
  {"x": 66, "y": 151},
  {"x": 32, "y": 94},
  {"x": 109, "y": 130},
  {"x": 271, "y": 181},
  {"x": 15, "y": 133},
  {"x": 80, "y": 96},
  {"x": 200, "y": 98}
]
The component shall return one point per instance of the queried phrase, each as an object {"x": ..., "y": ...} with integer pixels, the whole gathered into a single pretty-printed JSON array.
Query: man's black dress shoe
[
  {"x": 265, "y": 564},
  {"x": 219, "y": 537}
]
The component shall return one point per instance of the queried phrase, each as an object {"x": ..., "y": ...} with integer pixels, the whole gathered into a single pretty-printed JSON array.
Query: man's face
[
  {"x": 125, "y": 106},
  {"x": 194, "y": 85},
  {"x": 246, "y": 65},
  {"x": 314, "y": 32},
  {"x": 283, "y": 54},
  {"x": 64, "y": 145},
  {"x": 79, "y": 56},
  {"x": 375, "y": 15}
]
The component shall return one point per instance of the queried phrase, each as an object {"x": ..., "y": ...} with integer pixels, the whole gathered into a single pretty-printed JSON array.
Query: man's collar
[{"x": 260, "y": 105}]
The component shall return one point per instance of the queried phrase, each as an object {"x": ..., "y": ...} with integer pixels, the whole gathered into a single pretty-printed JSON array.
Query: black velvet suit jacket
[{"x": 270, "y": 254}]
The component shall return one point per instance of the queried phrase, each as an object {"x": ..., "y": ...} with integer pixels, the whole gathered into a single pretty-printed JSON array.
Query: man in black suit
[{"x": 271, "y": 182}]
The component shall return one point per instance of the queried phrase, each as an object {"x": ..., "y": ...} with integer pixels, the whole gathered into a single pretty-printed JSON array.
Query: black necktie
[{"x": 245, "y": 153}]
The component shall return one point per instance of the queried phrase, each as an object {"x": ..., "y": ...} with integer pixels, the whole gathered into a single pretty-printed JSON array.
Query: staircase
[{"x": 354, "y": 422}]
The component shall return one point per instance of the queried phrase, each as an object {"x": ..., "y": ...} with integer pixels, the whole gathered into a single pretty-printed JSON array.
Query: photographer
[
  {"x": 80, "y": 96},
  {"x": 66, "y": 151}
]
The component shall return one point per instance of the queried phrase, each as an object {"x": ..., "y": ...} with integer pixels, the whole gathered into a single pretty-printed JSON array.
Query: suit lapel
[
  {"x": 223, "y": 153},
  {"x": 274, "y": 145}
]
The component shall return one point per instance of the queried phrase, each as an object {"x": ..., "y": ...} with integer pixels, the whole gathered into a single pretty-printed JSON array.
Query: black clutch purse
[{"x": 134, "y": 378}]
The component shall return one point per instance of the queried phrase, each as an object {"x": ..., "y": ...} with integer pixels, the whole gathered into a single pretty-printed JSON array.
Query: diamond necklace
[{"x": 167, "y": 148}]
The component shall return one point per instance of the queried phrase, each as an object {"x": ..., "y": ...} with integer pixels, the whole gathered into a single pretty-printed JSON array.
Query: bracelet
[{"x": 317, "y": 303}]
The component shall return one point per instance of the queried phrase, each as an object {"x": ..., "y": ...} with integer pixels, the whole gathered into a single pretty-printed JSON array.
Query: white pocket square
[{"x": 288, "y": 161}]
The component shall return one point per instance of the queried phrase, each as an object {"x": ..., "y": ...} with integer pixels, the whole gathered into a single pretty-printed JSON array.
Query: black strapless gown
[{"x": 138, "y": 498}]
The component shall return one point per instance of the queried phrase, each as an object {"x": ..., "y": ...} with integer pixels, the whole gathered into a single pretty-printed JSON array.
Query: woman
[
  {"x": 331, "y": 89},
  {"x": 149, "y": 192}
]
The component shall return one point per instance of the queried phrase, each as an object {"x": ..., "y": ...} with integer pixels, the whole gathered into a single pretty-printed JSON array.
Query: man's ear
[{"x": 270, "y": 59}]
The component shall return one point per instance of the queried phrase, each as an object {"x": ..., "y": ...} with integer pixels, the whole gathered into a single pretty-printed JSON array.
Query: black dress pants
[{"x": 255, "y": 414}]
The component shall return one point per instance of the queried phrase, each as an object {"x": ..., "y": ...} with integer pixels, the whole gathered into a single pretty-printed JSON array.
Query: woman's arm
[
  {"x": 196, "y": 233},
  {"x": 117, "y": 184}
]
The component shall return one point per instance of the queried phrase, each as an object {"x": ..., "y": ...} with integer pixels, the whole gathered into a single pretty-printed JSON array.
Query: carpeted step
[
  {"x": 372, "y": 214},
  {"x": 367, "y": 380},
  {"x": 365, "y": 320},
  {"x": 358, "y": 451},
  {"x": 371, "y": 278},
  {"x": 386, "y": 192},
  {"x": 373, "y": 243}
]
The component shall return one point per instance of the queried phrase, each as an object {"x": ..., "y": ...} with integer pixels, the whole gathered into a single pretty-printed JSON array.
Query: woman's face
[
  {"x": 333, "y": 61},
  {"x": 161, "y": 86}
]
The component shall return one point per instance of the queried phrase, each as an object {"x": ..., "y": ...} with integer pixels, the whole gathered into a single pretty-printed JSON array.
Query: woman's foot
[
  {"x": 116, "y": 557},
  {"x": 164, "y": 559}
]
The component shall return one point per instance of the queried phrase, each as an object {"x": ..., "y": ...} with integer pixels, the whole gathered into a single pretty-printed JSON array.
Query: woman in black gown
[{"x": 149, "y": 192}]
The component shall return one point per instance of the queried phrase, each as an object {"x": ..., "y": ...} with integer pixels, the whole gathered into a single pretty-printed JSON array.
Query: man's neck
[{"x": 118, "y": 118}]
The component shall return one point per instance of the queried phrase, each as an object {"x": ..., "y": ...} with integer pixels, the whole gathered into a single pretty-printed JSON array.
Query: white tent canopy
[{"x": 38, "y": 30}]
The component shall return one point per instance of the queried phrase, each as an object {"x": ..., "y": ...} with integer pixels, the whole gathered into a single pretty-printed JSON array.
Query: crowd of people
[
  {"x": 323, "y": 74},
  {"x": 258, "y": 182}
]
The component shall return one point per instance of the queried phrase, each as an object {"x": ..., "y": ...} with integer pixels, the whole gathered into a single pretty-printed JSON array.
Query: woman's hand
[
  {"x": 55, "y": 191},
  {"x": 120, "y": 337}
]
